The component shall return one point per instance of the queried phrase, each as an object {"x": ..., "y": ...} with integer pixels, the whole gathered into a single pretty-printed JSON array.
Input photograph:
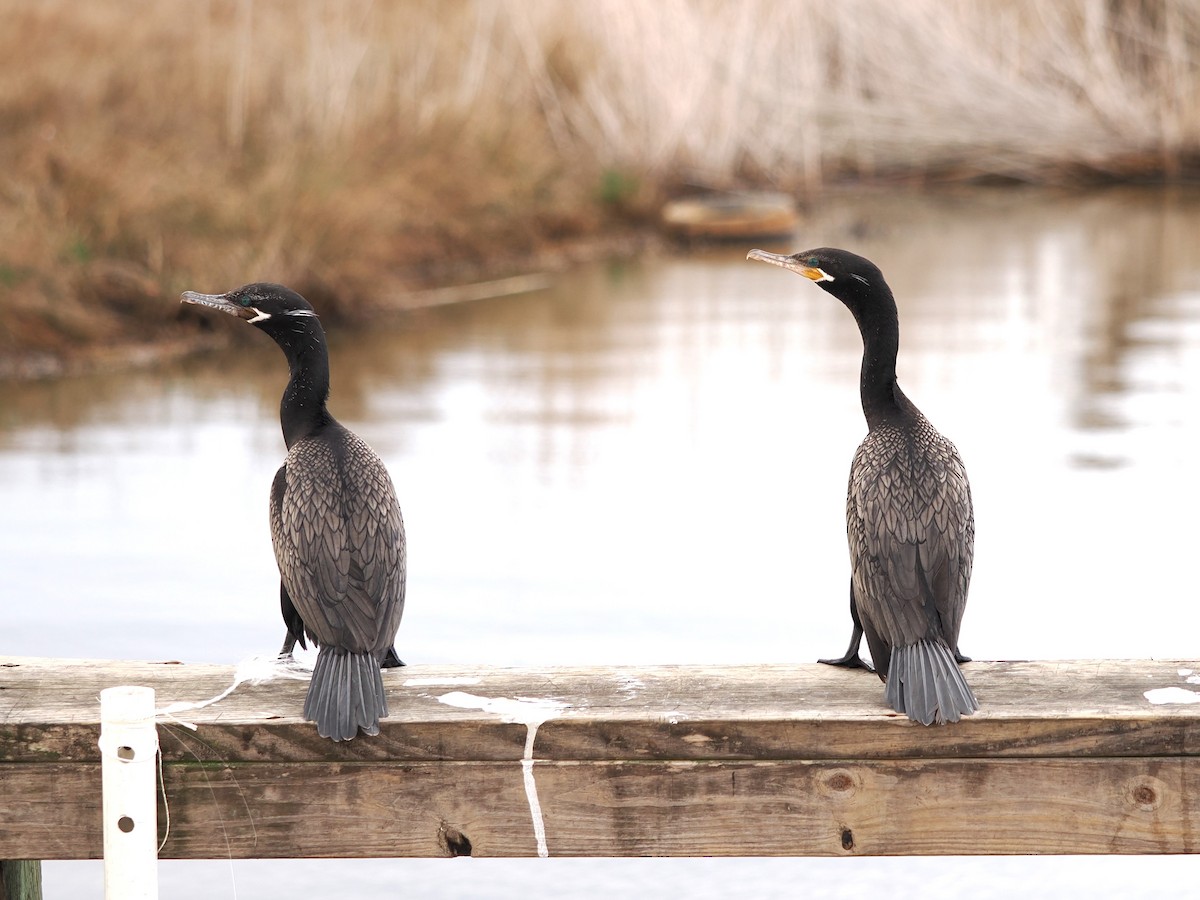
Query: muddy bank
[{"x": 122, "y": 318}]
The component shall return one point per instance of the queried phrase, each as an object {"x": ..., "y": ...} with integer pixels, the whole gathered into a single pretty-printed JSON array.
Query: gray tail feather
[
  {"x": 925, "y": 683},
  {"x": 345, "y": 694}
]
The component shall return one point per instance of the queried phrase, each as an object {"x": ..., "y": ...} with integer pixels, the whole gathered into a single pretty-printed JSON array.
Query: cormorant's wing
[
  {"x": 375, "y": 537},
  {"x": 950, "y": 526},
  {"x": 314, "y": 541},
  {"x": 291, "y": 618}
]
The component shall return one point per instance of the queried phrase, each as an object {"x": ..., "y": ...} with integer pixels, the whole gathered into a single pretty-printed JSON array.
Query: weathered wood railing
[{"x": 1063, "y": 757}]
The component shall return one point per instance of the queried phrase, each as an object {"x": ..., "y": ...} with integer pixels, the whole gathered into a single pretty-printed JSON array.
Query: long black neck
[
  {"x": 302, "y": 409},
  {"x": 882, "y": 400}
]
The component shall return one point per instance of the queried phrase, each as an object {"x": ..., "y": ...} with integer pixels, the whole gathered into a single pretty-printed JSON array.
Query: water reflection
[{"x": 647, "y": 463}]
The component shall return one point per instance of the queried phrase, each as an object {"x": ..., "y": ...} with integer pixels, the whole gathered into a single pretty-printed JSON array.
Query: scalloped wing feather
[
  {"x": 339, "y": 542},
  {"x": 911, "y": 529}
]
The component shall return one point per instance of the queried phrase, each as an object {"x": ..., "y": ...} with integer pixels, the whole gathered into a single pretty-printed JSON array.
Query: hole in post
[
  {"x": 124, "y": 753},
  {"x": 125, "y": 824}
]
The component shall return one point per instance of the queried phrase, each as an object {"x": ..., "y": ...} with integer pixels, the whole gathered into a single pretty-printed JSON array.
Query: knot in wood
[
  {"x": 1146, "y": 793},
  {"x": 839, "y": 784},
  {"x": 840, "y": 781},
  {"x": 454, "y": 841}
]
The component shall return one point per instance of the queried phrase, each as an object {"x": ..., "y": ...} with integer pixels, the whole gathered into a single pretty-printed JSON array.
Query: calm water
[{"x": 646, "y": 464}]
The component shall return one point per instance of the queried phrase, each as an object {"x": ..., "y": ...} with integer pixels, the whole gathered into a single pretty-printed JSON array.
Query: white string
[
  {"x": 162, "y": 786},
  {"x": 254, "y": 670}
]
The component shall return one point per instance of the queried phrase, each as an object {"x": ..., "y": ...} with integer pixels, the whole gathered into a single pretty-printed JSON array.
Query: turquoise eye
[
  {"x": 245, "y": 301},
  {"x": 814, "y": 262}
]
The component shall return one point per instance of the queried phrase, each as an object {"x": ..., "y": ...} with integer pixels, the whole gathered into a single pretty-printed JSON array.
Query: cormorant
[
  {"x": 335, "y": 525},
  {"x": 909, "y": 519}
]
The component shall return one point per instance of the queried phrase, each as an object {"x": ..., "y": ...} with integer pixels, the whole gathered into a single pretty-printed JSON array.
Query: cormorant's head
[
  {"x": 262, "y": 304},
  {"x": 849, "y": 277}
]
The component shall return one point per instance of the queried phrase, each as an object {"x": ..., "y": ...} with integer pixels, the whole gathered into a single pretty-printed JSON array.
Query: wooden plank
[
  {"x": 20, "y": 879},
  {"x": 682, "y": 808},
  {"x": 49, "y": 712},
  {"x": 1064, "y": 757}
]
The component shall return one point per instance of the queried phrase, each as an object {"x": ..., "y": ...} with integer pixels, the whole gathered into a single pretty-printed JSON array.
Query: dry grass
[
  {"x": 347, "y": 148},
  {"x": 354, "y": 148},
  {"x": 798, "y": 93}
]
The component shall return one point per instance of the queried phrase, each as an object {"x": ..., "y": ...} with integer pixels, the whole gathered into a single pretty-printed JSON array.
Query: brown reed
[{"x": 353, "y": 148}]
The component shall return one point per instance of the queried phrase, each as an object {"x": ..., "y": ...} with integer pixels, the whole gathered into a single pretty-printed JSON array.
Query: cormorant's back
[
  {"x": 911, "y": 530},
  {"x": 339, "y": 541}
]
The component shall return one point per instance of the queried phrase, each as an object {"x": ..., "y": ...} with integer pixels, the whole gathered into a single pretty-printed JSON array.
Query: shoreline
[
  {"x": 122, "y": 319},
  {"x": 186, "y": 334}
]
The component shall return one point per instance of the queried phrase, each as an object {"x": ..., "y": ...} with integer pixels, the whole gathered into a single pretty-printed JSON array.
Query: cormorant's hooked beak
[
  {"x": 791, "y": 263},
  {"x": 221, "y": 302}
]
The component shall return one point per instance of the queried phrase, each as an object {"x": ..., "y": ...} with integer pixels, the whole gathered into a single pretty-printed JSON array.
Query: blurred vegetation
[{"x": 357, "y": 150}]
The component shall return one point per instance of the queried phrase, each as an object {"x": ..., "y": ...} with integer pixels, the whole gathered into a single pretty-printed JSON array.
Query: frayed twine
[{"x": 255, "y": 670}]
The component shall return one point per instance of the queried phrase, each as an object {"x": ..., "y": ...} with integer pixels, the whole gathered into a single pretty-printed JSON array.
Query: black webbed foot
[
  {"x": 289, "y": 644},
  {"x": 391, "y": 660},
  {"x": 292, "y": 620},
  {"x": 850, "y": 660},
  {"x": 959, "y": 657}
]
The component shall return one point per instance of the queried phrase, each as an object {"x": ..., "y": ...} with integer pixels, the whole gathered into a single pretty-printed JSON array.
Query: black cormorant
[
  {"x": 908, "y": 512},
  {"x": 335, "y": 525}
]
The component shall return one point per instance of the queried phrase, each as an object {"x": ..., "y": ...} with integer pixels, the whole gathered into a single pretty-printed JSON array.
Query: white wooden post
[{"x": 128, "y": 755}]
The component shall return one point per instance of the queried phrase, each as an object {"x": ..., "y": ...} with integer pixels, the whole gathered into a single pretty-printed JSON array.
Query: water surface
[{"x": 647, "y": 464}]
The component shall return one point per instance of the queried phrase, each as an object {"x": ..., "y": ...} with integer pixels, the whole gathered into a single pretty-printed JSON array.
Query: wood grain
[
  {"x": 1064, "y": 757},
  {"x": 20, "y": 879},
  {"x": 775, "y": 808}
]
